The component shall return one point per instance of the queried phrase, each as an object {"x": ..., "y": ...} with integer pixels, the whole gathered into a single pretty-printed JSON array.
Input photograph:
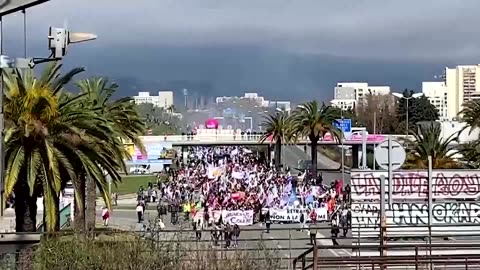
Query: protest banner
[
  {"x": 293, "y": 214},
  {"x": 241, "y": 218}
]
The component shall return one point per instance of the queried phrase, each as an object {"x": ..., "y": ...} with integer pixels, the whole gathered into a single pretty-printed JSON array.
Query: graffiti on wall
[
  {"x": 417, "y": 214},
  {"x": 463, "y": 184}
]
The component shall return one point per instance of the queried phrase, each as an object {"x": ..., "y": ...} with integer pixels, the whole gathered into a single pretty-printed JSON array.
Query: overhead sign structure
[
  {"x": 398, "y": 155},
  {"x": 344, "y": 125}
]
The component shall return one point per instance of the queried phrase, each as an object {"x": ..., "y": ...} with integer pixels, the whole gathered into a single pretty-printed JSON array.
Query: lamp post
[
  {"x": 415, "y": 95},
  {"x": 343, "y": 149}
]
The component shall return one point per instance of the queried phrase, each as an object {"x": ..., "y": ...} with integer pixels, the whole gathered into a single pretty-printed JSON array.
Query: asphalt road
[{"x": 286, "y": 239}]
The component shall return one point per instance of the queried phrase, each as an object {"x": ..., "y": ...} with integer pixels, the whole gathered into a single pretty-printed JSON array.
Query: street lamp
[
  {"x": 415, "y": 95},
  {"x": 343, "y": 148}
]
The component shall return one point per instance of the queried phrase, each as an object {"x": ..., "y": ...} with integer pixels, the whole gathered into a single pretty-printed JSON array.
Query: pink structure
[
  {"x": 356, "y": 138},
  {"x": 211, "y": 123}
]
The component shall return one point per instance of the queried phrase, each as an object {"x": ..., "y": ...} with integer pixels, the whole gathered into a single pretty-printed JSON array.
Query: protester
[
  {"x": 236, "y": 235},
  {"x": 312, "y": 230},
  {"x": 105, "y": 216},
  {"x": 267, "y": 221},
  {"x": 230, "y": 178},
  {"x": 335, "y": 230},
  {"x": 140, "y": 211}
]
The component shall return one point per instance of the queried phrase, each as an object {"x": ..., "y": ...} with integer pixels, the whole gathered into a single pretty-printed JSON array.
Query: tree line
[{"x": 387, "y": 115}]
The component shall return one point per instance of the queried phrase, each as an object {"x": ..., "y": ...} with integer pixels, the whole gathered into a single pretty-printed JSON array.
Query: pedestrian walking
[
  {"x": 198, "y": 230},
  {"x": 105, "y": 216},
  {"x": 139, "y": 210},
  {"x": 335, "y": 230},
  {"x": 236, "y": 235},
  {"x": 227, "y": 235},
  {"x": 313, "y": 233},
  {"x": 268, "y": 221}
]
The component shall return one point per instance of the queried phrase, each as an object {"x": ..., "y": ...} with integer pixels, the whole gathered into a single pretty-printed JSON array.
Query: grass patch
[{"x": 131, "y": 183}]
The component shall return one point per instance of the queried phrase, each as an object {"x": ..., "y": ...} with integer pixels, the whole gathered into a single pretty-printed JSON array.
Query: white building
[
  {"x": 163, "y": 100},
  {"x": 463, "y": 84},
  {"x": 437, "y": 94},
  {"x": 348, "y": 94}
]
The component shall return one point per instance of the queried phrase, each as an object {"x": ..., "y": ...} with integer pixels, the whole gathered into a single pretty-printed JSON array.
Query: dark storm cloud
[{"x": 381, "y": 29}]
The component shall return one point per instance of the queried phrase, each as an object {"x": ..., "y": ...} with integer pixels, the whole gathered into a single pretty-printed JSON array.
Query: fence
[{"x": 282, "y": 248}]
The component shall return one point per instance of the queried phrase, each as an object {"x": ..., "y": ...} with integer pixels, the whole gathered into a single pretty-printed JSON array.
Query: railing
[
  {"x": 289, "y": 248},
  {"x": 65, "y": 217},
  {"x": 214, "y": 137}
]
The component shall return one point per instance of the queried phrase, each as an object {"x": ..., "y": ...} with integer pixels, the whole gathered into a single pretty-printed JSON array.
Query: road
[{"x": 288, "y": 242}]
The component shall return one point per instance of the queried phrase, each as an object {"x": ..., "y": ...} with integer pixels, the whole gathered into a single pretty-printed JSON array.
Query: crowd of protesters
[{"x": 234, "y": 178}]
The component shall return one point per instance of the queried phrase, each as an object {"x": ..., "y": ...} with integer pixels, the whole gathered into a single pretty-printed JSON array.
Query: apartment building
[
  {"x": 463, "y": 84},
  {"x": 348, "y": 94},
  {"x": 437, "y": 94},
  {"x": 163, "y": 100}
]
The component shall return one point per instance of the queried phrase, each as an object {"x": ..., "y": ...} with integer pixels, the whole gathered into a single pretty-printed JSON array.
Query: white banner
[
  {"x": 241, "y": 218},
  {"x": 293, "y": 214}
]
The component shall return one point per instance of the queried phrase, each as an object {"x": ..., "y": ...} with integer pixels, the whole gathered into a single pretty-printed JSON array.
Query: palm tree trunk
[
  {"x": 278, "y": 154},
  {"x": 313, "y": 152},
  {"x": 90, "y": 207},
  {"x": 25, "y": 208},
  {"x": 79, "y": 209}
]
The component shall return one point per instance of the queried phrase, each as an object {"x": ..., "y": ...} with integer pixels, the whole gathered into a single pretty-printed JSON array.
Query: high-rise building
[
  {"x": 163, "y": 100},
  {"x": 348, "y": 94},
  {"x": 463, "y": 84},
  {"x": 437, "y": 94}
]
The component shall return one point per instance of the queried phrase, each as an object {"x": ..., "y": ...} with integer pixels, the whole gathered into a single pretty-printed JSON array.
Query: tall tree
[
  {"x": 314, "y": 121},
  {"x": 419, "y": 109},
  {"x": 158, "y": 120},
  {"x": 278, "y": 130},
  {"x": 378, "y": 114},
  {"x": 121, "y": 117},
  {"x": 39, "y": 125}
]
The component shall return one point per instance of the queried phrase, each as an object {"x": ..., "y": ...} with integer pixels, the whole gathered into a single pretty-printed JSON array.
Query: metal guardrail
[
  {"x": 247, "y": 138},
  {"x": 291, "y": 256}
]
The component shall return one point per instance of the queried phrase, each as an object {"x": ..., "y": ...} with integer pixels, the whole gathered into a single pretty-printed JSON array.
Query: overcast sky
[
  {"x": 360, "y": 28},
  {"x": 412, "y": 30}
]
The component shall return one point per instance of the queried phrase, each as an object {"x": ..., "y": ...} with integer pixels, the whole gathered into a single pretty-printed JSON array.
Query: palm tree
[
  {"x": 471, "y": 114},
  {"x": 124, "y": 122},
  {"x": 171, "y": 109},
  {"x": 314, "y": 122},
  {"x": 277, "y": 128},
  {"x": 39, "y": 123},
  {"x": 427, "y": 141}
]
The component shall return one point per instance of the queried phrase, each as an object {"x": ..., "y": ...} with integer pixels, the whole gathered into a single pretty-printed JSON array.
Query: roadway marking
[
  {"x": 279, "y": 246},
  {"x": 336, "y": 253}
]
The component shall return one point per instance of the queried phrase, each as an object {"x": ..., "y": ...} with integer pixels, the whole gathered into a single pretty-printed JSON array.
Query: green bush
[{"x": 131, "y": 252}]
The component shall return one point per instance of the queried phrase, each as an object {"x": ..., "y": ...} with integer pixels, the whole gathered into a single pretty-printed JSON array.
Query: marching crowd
[{"x": 234, "y": 179}]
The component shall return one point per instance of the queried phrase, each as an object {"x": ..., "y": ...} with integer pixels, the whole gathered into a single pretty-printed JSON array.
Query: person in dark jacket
[
  {"x": 227, "y": 235},
  {"x": 236, "y": 235},
  {"x": 313, "y": 233},
  {"x": 335, "y": 231},
  {"x": 268, "y": 221}
]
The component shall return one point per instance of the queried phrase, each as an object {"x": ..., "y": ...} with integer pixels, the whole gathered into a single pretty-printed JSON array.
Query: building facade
[
  {"x": 348, "y": 94},
  {"x": 463, "y": 84},
  {"x": 437, "y": 94},
  {"x": 163, "y": 100}
]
